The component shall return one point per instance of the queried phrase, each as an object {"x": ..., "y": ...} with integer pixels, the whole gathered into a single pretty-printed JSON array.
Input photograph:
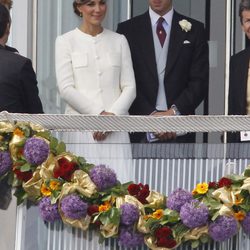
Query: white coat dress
[{"x": 95, "y": 73}]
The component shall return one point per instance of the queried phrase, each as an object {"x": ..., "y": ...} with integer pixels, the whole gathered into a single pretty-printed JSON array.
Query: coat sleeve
[
  {"x": 198, "y": 76},
  {"x": 28, "y": 82},
  {"x": 141, "y": 105},
  {"x": 127, "y": 82}
]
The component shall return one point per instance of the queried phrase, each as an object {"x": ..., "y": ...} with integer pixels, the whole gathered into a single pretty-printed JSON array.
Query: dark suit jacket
[
  {"x": 237, "y": 103},
  {"x": 18, "y": 84},
  {"x": 187, "y": 68},
  {"x": 11, "y": 49}
]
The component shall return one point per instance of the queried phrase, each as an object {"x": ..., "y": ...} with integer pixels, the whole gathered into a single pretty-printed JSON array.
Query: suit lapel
[
  {"x": 147, "y": 43},
  {"x": 243, "y": 67},
  {"x": 177, "y": 36}
]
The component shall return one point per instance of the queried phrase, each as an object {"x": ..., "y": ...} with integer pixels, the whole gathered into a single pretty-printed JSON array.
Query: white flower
[{"x": 185, "y": 25}]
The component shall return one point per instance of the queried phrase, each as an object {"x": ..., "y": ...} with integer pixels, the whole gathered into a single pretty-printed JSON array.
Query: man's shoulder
[
  {"x": 11, "y": 58},
  {"x": 194, "y": 22},
  {"x": 134, "y": 20},
  {"x": 240, "y": 54},
  {"x": 11, "y": 49}
]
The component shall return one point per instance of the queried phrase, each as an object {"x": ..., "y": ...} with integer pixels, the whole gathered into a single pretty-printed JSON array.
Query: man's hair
[
  {"x": 4, "y": 19},
  {"x": 244, "y": 5},
  {"x": 7, "y": 3}
]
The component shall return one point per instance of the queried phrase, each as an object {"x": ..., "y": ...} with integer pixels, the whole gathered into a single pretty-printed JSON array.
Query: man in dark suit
[
  {"x": 18, "y": 84},
  {"x": 239, "y": 77},
  {"x": 171, "y": 75}
]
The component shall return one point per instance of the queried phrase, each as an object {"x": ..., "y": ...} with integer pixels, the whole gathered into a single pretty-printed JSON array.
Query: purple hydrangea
[
  {"x": 223, "y": 228},
  {"x": 194, "y": 214},
  {"x": 49, "y": 212},
  {"x": 74, "y": 207},
  {"x": 130, "y": 238},
  {"x": 103, "y": 177},
  {"x": 5, "y": 162},
  {"x": 178, "y": 198},
  {"x": 36, "y": 151},
  {"x": 129, "y": 214},
  {"x": 246, "y": 224}
]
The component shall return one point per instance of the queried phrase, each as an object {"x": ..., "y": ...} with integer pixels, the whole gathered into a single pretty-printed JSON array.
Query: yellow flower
[
  {"x": 54, "y": 185},
  {"x": 202, "y": 188},
  {"x": 158, "y": 214},
  {"x": 240, "y": 216},
  {"x": 45, "y": 190},
  {"x": 194, "y": 191},
  {"x": 146, "y": 217},
  {"x": 105, "y": 207},
  {"x": 238, "y": 199},
  {"x": 18, "y": 132}
]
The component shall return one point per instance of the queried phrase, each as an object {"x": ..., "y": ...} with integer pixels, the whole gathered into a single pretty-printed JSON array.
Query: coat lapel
[
  {"x": 243, "y": 67},
  {"x": 147, "y": 42},
  {"x": 177, "y": 36}
]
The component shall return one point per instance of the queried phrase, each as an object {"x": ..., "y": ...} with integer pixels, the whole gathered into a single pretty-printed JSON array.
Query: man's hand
[{"x": 165, "y": 136}]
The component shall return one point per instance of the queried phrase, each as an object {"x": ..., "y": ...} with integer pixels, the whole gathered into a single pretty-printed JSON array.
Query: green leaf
[
  {"x": 150, "y": 222},
  {"x": 101, "y": 239},
  {"x": 180, "y": 229},
  {"x": 25, "y": 168},
  {"x": 212, "y": 203},
  {"x": 237, "y": 178},
  {"x": 45, "y": 134},
  {"x": 115, "y": 216},
  {"x": 215, "y": 216},
  {"x": 60, "y": 148},
  {"x": 112, "y": 216},
  {"x": 21, "y": 195},
  {"x": 53, "y": 143},
  {"x": 247, "y": 172},
  {"x": 195, "y": 244},
  {"x": 21, "y": 143},
  {"x": 204, "y": 239}
]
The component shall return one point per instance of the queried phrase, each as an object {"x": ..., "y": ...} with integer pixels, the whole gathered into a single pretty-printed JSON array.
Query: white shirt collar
[{"x": 154, "y": 16}]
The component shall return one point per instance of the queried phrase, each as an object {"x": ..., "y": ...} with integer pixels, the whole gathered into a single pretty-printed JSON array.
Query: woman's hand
[{"x": 101, "y": 136}]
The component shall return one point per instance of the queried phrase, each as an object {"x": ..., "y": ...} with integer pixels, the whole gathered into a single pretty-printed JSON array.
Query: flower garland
[{"x": 82, "y": 195}]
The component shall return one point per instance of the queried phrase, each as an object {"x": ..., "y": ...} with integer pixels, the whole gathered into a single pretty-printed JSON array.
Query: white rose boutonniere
[{"x": 185, "y": 25}]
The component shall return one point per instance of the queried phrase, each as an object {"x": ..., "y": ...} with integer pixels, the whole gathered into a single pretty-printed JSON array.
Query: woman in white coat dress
[{"x": 95, "y": 76}]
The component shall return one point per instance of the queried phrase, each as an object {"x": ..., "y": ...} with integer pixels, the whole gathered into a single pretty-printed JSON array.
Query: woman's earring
[{"x": 80, "y": 14}]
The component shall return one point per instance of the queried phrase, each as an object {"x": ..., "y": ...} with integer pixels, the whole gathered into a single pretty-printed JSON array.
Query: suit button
[
  {"x": 97, "y": 57},
  {"x": 99, "y": 73}
]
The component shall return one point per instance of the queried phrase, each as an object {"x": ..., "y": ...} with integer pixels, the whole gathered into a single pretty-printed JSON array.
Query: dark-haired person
[
  {"x": 18, "y": 84},
  {"x": 170, "y": 59},
  {"x": 95, "y": 77},
  {"x": 239, "y": 80},
  {"x": 8, "y": 4}
]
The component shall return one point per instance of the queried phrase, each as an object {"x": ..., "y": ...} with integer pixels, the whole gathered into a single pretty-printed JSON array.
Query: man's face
[
  {"x": 246, "y": 22},
  {"x": 161, "y": 7}
]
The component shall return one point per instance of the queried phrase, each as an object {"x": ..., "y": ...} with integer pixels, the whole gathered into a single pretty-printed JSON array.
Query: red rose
[
  {"x": 65, "y": 169},
  {"x": 164, "y": 242},
  {"x": 212, "y": 184},
  {"x": 133, "y": 189},
  {"x": 143, "y": 194},
  {"x": 171, "y": 243},
  {"x": 140, "y": 191},
  {"x": 224, "y": 182},
  {"x": 23, "y": 176},
  {"x": 92, "y": 210},
  {"x": 163, "y": 232}
]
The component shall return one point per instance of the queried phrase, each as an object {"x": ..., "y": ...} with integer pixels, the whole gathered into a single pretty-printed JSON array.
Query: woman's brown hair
[{"x": 76, "y": 4}]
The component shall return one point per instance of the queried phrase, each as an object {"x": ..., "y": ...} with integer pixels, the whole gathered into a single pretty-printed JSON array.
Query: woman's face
[{"x": 93, "y": 11}]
